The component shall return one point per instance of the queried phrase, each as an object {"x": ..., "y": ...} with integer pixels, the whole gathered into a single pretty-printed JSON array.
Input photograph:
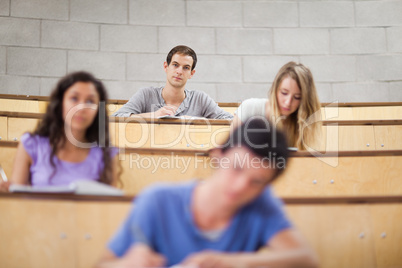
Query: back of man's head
[
  {"x": 182, "y": 50},
  {"x": 261, "y": 137}
]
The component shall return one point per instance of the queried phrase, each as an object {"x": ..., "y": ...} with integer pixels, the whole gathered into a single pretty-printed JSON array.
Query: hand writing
[
  {"x": 141, "y": 255},
  {"x": 209, "y": 259},
  {"x": 166, "y": 110}
]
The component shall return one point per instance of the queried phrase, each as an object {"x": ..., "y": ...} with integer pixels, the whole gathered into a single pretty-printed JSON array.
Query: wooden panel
[
  {"x": 112, "y": 108},
  {"x": 3, "y": 128},
  {"x": 344, "y": 111},
  {"x": 74, "y": 233},
  {"x": 387, "y": 234},
  {"x": 95, "y": 224},
  {"x": 178, "y": 136},
  {"x": 57, "y": 233},
  {"x": 222, "y": 104},
  {"x": 42, "y": 106},
  {"x": 18, "y": 126},
  {"x": 305, "y": 176},
  {"x": 141, "y": 169},
  {"x": 39, "y": 233},
  {"x": 113, "y": 132},
  {"x": 336, "y": 113},
  {"x": 357, "y": 138},
  {"x": 351, "y": 176},
  {"x": 204, "y": 136},
  {"x": 182, "y": 136},
  {"x": 33, "y": 106},
  {"x": 26, "y": 106},
  {"x": 7, "y": 156},
  {"x": 388, "y": 137},
  {"x": 135, "y": 135},
  {"x": 361, "y": 113},
  {"x": 381, "y": 112},
  {"x": 334, "y": 231},
  {"x": 347, "y": 138}
]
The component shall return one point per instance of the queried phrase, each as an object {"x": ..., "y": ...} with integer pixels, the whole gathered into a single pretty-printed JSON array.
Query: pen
[{"x": 3, "y": 174}]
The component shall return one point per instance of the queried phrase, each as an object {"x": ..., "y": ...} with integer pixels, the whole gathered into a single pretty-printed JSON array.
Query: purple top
[{"x": 38, "y": 148}]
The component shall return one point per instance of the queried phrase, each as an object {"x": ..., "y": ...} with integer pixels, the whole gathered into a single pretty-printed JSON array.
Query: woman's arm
[
  {"x": 22, "y": 163},
  {"x": 249, "y": 108},
  {"x": 235, "y": 123}
]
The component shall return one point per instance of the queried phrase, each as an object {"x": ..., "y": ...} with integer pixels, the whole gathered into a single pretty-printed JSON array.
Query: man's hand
[
  {"x": 166, "y": 110},
  {"x": 210, "y": 259},
  {"x": 141, "y": 255}
]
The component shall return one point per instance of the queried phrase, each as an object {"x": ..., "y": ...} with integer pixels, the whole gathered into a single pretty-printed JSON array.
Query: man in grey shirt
[{"x": 174, "y": 99}]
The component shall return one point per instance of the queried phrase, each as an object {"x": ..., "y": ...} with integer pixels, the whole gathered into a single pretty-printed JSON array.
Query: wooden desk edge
[
  {"x": 221, "y": 104},
  {"x": 174, "y": 121},
  {"x": 287, "y": 200},
  {"x": 204, "y": 152},
  {"x": 205, "y": 121}
]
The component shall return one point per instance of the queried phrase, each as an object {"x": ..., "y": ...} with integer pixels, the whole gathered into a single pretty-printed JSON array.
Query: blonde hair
[{"x": 301, "y": 127}]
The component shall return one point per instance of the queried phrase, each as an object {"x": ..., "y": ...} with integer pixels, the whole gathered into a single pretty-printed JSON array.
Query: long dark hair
[{"x": 52, "y": 125}]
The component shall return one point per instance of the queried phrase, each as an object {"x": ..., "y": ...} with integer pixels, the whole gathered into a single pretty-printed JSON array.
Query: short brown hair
[{"x": 182, "y": 50}]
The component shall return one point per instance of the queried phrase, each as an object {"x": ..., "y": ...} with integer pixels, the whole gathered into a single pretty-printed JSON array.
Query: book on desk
[{"x": 81, "y": 187}]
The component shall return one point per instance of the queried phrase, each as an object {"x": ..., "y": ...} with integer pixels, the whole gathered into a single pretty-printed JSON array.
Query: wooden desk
[
  {"x": 72, "y": 231},
  {"x": 330, "y": 111},
  {"x": 38, "y": 104},
  {"x": 353, "y": 173},
  {"x": 342, "y": 135}
]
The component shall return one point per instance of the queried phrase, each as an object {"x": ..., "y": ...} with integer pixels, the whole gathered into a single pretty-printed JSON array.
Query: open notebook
[{"x": 83, "y": 187}]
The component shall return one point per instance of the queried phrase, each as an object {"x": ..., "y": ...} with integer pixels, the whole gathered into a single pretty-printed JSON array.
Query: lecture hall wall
[{"x": 354, "y": 48}]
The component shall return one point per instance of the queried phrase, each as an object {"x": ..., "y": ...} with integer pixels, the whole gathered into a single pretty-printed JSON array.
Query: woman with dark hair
[{"x": 72, "y": 141}]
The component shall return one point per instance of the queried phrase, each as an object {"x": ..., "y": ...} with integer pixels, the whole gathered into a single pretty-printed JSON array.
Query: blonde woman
[{"x": 293, "y": 106}]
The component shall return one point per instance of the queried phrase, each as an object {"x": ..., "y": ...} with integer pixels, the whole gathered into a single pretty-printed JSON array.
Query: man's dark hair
[
  {"x": 182, "y": 50},
  {"x": 262, "y": 138}
]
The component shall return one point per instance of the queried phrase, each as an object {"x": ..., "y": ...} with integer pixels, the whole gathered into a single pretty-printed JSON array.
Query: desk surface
[{"x": 205, "y": 121}]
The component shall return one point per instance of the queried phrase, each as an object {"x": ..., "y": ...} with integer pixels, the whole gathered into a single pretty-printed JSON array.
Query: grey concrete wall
[{"x": 354, "y": 48}]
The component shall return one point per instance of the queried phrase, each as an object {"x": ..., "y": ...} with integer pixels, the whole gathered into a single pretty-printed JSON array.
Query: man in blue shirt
[{"x": 221, "y": 221}]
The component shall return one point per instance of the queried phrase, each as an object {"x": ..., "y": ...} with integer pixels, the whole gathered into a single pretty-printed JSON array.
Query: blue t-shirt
[{"x": 161, "y": 217}]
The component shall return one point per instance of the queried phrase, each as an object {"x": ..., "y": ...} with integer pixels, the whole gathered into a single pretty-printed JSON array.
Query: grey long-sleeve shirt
[{"x": 196, "y": 103}]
